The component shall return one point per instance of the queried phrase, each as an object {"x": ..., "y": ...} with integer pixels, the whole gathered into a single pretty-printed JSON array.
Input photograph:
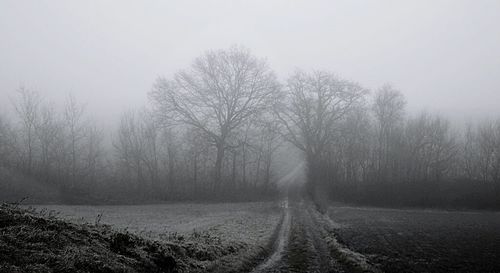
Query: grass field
[
  {"x": 248, "y": 222},
  {"x": 220, "y": 237},
  {"x": 421, "y": 240},
  {"x": 235, "y": 237}
]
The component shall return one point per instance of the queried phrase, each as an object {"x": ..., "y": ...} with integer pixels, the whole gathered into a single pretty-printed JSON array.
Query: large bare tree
[
  {"x": 221, "y": 91},
  {"x": 316, "y": 103}
]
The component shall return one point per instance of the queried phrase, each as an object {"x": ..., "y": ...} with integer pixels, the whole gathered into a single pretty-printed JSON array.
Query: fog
[
  {"x": 250, "y": 136},
  {"x": 443, "y": 55}
]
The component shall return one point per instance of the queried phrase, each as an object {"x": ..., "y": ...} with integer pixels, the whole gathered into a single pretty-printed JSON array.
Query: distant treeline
[
  {"x": 204, "y": 138},
  {"x": 366, "y": 149},
  {"x": 212, "y": 132},
  {"x": 60, "y": 155},
  {"x": 382, "y": 156}
]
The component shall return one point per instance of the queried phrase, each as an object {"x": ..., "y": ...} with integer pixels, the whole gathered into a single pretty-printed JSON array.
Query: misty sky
[{"x": 443, "y": 55}]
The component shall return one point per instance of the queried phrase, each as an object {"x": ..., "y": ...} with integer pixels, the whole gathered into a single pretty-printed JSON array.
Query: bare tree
[
  {"x": 353, "y": 147},
  {"x": 6, "y": 142},
  {"x": 170, "y": 157},
  {"x": 76, "y": 129},
  {"x": 48, "y": 131},
  {"x": 197, "y": 146},
  {"x": 221, "y": 91},
  {"x": 270, "y": 141},
  {"x": 93, "y": 154},
  {"x": 430, "y": 148},
  {"x": 149, "y": 133},
  {"x": 482, "y": 152},
  {"x": 388, "y": 109},
  {"x": 130, "y": 148},
  {"x": 316, "y": 103},
  {"x": 27, "y": 109}
]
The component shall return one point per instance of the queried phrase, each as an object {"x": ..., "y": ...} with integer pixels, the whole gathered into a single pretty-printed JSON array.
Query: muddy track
[{"x": 307, "y": 244}]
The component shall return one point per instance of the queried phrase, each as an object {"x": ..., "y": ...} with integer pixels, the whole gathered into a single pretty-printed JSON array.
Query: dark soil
[{"x": 422, "y": 240}]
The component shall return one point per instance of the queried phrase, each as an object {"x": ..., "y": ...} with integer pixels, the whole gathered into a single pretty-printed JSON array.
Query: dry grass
[
  {"x": 199, "y": 237},
  {"x": 34, "y": 242}
]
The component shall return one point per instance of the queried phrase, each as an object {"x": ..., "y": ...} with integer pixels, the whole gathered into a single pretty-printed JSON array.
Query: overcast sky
[{"x": 443, "y": 55}]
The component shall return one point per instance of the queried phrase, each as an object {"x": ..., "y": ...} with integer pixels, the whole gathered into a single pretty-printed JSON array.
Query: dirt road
[{"x": 307, "y": 243}]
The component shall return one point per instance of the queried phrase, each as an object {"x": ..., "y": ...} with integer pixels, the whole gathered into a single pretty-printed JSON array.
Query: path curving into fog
[{"x": 307, "y": 243}]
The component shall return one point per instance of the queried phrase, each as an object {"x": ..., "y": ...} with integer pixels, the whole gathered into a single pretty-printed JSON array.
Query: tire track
[
  {"x": 281, "y": 242},
  {"x": 307, "y": 244}
]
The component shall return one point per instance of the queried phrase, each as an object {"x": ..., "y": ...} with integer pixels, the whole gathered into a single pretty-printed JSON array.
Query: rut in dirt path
[
  {"x": 307, "y": 244},
  {"x": 308, "y": 250},
  {"x": 281, "y": 241}
]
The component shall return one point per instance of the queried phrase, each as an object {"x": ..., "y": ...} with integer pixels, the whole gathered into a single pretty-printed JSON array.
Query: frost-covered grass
[
  {"x": 39, "y": 242},
  {"x": 222, "y": 237},
  {"x": 247, "y": 222}
]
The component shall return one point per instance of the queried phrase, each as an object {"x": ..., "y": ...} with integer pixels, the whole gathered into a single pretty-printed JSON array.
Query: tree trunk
[
  {"x": 233, "y": 175},
  {"x": 267, "y": 178},
  {"x": 259, "y": 158},
  {"x": 244, "y": 167},
  {"x": 218, "y": 166},
  {"x": 195, "y": 174}
]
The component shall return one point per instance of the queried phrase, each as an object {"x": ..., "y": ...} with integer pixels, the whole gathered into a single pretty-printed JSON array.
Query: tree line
[
  {"x": 207, "y": 135},
  {"x": 212, "y": 131},
  {"x": 365, "y": 148}
]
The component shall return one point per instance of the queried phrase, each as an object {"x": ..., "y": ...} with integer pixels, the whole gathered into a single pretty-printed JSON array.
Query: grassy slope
[
  {"x": 30, "y": 242},
  {"x": 39, "y": 242}
]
